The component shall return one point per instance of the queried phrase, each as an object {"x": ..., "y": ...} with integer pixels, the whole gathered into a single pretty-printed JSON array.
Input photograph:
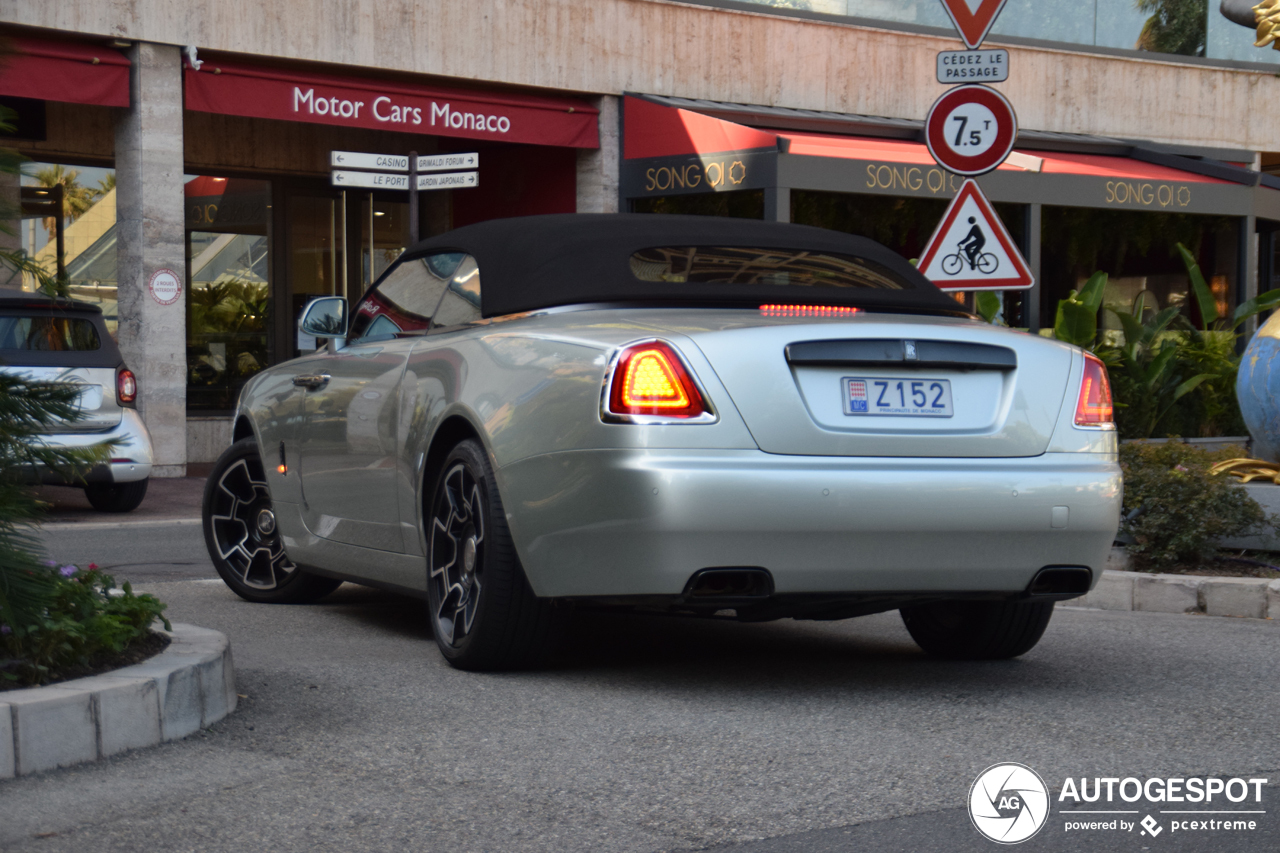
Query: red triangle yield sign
[
  {"x": 973, "y": 18},
  {"x": 972, "y": 250}
]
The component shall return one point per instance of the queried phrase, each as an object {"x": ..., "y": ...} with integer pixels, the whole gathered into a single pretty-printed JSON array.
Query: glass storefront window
[
  {"x": 1102, "y": 23},
  {"x": 338, "y": 245},
  {"x": 89, "y": 232},
  {"x": 1138, "y": 251},
  {"x": 743, "y": 204},
  {"x": 228, "y": 297}
]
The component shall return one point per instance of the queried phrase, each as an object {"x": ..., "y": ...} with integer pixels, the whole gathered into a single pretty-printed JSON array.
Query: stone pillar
[
  {"x": 150, "y": 240},
  {"x": 598, "y": 169}
]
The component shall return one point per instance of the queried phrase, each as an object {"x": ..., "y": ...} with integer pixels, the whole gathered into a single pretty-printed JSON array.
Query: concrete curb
[
  {"x": 1249, "y": 598},
  {"x": 188, "y": 686}
]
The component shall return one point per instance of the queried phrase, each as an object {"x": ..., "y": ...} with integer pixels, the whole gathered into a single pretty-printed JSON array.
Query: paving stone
[
  {"x": 54, "y": 727},
  {"x": 1113, "y": 592},
  {"x": 1167, "y": 593},
  {"x": 1245, "y": 597},
  {"x": 1273, "y": 600},
  {"x": 7, "y": 770}
]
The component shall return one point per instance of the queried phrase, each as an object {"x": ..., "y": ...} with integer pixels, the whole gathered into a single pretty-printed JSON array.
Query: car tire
[
  {"x": 116, "y": 497},
  {"x": 977, "y": 630},
  {"x": 243, "y": 538},
  {"x": 484, "y": 615}
]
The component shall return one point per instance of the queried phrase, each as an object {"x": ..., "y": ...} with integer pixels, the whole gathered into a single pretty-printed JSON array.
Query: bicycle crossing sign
[{"x": 972, "y": 250}]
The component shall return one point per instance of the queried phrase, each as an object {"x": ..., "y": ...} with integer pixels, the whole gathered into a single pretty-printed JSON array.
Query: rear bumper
[
  {"x": 610, "y": 523},
  {"x": 131, "y": 455}
]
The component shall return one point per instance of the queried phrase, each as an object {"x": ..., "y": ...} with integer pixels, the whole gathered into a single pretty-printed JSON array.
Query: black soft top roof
[
  {"x": 13, "y": 298},
  {"x": 20, "y": 302},
  {"x": 534, "y": 262}
]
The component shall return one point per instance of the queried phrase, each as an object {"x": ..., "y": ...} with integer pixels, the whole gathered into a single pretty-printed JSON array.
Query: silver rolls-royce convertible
[{"x": 691, "y": 415}]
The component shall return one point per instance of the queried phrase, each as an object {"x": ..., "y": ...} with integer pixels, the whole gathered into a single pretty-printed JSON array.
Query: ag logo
[{"x": 1008, "y": 803}]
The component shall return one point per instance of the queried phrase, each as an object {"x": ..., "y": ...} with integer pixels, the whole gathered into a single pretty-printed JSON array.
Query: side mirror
[{"x": 325, "y": 317}]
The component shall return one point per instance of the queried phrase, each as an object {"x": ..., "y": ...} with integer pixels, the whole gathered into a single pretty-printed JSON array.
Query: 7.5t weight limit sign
[{"x": 971, "y": 130}]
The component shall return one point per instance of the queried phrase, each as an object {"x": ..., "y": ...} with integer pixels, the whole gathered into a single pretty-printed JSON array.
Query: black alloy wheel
[
  {"x": 484, "y": 614},
  {"x": 243, "y": 536}
]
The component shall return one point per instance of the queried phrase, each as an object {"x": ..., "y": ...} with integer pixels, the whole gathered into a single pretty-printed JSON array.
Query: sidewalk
[{"x": 166, "y": 499}]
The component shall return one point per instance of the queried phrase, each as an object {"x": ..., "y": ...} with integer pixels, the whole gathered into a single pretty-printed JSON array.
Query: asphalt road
[
  {"x": 655, "y": 734},
  {"x": 132, "y": 550}
]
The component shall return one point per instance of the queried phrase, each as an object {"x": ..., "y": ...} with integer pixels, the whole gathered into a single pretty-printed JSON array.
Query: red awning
[
  {"x": 70, "y": 72},
  {"x": 1046, "y": 162},
  {"x": 232, "y": 88},
  {"x": 655, "y": 130}
]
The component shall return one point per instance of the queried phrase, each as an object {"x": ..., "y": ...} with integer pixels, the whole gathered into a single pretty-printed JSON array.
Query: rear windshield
[
  {"x": 48, "y": 333},
  {"x": 779, "y": 267}
]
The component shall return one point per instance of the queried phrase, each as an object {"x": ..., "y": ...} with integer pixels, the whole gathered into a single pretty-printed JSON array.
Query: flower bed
[{"x": 88, "y": 625}]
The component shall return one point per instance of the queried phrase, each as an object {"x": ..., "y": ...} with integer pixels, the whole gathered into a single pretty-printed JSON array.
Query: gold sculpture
[
  {"x": 1248, "y": 470},
  {"x": 1267, "y": 14}
]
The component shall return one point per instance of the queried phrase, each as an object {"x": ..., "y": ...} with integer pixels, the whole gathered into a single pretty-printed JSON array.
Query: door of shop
[{"x": 339, "y": 243}]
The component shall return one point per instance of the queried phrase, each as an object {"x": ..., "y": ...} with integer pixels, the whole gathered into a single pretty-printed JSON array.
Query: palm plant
[
  {"x": 1175, "y": 26},
  {"x": 76, "y": 198},
  {"x": 27, "y": 409},
  {"x": 1164, "y": 359}
]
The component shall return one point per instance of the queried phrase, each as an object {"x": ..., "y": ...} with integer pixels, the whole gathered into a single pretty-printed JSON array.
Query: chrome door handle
[{"x": 311, "y": 381}]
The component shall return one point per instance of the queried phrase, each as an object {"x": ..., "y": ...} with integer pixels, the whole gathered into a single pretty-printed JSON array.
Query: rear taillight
[
  {"x": 126, "y": 387},
  {"x": 651, "y": 379},
  {"x": 1094, "y": 408}
]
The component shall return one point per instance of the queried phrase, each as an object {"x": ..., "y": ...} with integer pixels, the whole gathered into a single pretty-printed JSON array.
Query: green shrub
[
  {"x": 1175, "y": 510},
  {"x": 84, "y": 625}
]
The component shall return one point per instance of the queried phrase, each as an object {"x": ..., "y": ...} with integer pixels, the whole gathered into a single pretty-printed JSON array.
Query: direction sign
[
  {"x": 971, "y": 66},
  {"x": 369, "y": 180},
  {"x": 971, "y": 129},
  {"x": 973, "y": 18},
  {"x": 449, "y": 181},
  {"x": 361, "y": 160},
  {"x": 441, "y": 162},
  {"x": 972, "y": 250}
]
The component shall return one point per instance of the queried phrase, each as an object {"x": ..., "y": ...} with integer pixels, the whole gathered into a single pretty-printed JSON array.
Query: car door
[{"x": 349, "y": 435}]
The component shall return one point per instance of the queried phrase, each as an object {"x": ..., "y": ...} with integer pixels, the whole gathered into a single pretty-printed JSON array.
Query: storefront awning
[
  {"x": 285, "y": 94},
  {"x": 674, "y": 151},
  {"x": 70, "y": 72}
]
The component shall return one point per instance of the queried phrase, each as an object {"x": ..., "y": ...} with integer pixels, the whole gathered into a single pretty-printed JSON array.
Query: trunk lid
[
  {"x": 97, "y": 386},
  {"x": 789, "y": 379}
]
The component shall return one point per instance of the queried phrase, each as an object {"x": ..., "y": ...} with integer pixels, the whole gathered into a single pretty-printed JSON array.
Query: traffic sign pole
[{"x": 413, "y": 197}]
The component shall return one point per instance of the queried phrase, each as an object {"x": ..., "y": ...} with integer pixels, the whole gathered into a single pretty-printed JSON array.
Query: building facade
[{"x": 209, "y": 128}]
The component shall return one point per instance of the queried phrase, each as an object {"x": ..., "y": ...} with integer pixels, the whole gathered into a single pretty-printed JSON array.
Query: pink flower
[{"x": 93, "y": 567}]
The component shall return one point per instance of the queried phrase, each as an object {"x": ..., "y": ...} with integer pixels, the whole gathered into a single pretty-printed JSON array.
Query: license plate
[{"x": 913, "y": 398}]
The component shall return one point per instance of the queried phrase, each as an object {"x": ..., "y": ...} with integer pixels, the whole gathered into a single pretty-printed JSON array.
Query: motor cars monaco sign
[
  {"x": 972, "y": 250},
  {"x": 971, "y": 130},
  {"x": 973, "y": 18}
]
